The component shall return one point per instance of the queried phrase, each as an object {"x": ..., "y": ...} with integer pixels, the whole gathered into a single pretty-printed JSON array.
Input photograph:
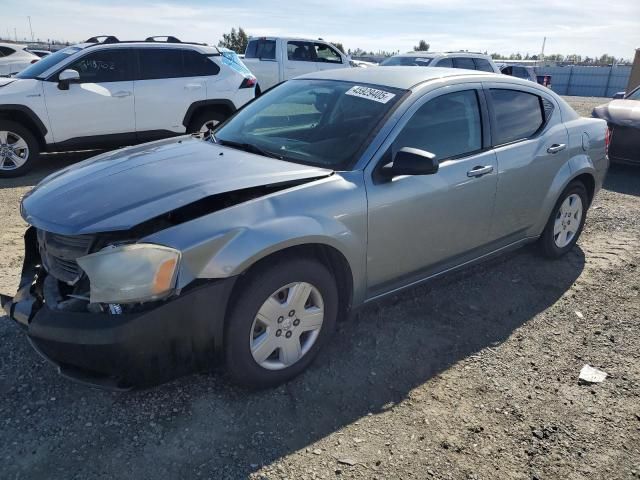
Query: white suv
[
  {"x": 14, "y": 58},
  {"x": 106, "y": 93},
  {"x": 466, "y": 60}
]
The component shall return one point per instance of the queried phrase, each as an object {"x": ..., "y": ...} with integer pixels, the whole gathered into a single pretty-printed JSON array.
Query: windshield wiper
[{"x": 248, "y": 147}]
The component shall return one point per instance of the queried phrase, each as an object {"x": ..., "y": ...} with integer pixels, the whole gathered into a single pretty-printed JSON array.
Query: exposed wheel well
[
  {"x": 24, "y": 119},
  {"x": 330, "y": 257},
  {"x": 197, "y": 109},
  {"x": 589, "y": 183}
]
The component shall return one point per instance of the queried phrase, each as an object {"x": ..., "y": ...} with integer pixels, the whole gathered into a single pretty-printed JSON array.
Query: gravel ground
[{"x": 471, "y": 377}]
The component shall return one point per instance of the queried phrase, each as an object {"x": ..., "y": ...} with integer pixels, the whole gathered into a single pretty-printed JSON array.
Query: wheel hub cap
[
  {"x": 286, "y": 326},
  {"x": 567, "y": 220}
]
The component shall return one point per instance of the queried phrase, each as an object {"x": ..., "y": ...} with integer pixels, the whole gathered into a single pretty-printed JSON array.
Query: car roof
[
  {"x": 124, "y": 44},
  {"x": 14, "y": 46},
  {"x": 442, "y": 54},
  {"x": 395, "y": 77}
]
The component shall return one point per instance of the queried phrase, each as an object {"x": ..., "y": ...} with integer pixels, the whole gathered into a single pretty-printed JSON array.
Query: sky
[{"x": 585, "y": 27}]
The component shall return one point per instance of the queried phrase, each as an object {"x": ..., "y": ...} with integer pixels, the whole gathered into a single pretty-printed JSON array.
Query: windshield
[
  {"x": 635, "y": 95},
  {"x": 406, "y": 61},
  {"x": 44, "y": 64},
  {"x": 315, "y": 122}
]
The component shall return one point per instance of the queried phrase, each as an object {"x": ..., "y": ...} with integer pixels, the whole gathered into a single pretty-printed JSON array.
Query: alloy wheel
[{"x": 14, "y": 151}]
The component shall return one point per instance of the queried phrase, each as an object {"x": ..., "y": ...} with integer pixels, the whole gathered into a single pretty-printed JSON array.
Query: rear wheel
[
  {"x": 566, "y": 221},
  {"x": 206, "y": 122},
  {"x": 284, "y": 313},
  {"x": 19, "y": 149}
]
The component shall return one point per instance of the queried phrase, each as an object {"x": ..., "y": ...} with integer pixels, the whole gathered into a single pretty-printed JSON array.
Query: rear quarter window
[
  {"x": 518, "y": 115},
  {"x": 6, "y": 51},
  {"x": 483, "y": 65},
  {"x": 197, "y": 65}
]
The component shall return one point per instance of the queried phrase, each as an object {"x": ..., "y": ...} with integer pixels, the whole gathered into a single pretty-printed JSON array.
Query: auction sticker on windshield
[{"x": 371, "y": 94}]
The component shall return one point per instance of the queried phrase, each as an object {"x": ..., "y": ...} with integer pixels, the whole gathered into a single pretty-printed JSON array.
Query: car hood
[
  {"x": 620, "y": 112},
  {"x": 6, "y": 81},
  {"x": 121, "y": 189}
]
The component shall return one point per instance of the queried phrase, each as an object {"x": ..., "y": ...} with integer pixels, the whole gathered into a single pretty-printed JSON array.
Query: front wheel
[
  {"x": 566, "y": 221},
  {"x": 19, "y": 149},
  {"x": 283, "y": 314}
]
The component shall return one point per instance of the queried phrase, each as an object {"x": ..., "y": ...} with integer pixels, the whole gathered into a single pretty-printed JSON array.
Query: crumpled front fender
[{"x": 226, "y": 243}]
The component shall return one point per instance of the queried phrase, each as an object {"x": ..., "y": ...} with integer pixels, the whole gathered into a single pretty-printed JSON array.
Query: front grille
[
  {"x": 59, "y": 254},
  {"x": 625, "y": 144}
]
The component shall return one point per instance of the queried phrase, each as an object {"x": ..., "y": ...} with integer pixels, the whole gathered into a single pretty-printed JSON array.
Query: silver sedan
[{"x": 326, "y": 193}]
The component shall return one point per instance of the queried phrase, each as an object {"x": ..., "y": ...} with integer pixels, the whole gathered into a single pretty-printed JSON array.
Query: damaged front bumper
[{"x": 171, "y": 338}]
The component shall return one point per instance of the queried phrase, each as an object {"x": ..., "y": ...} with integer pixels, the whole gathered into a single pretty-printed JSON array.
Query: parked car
[
  {"x": 326, "y": 193},
  {"x": 524, "y": 72},
  {"x": 105, "y": 93},
  {"x": 39, "y": 53},
  {"x": 623, "y": 118},
  {"x": 362, "y": 64},
  {"x": 519, "y": 71},
  {"x": 467, "y": 60},
  {"x": 274, "y": 59},
  {"x": 14, "y": 58}
]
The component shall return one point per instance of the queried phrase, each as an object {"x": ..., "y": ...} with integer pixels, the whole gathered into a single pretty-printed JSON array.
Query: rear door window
[
  {"x": 301, "y": 52},
  {"x": 262, "y": 49},
  {"x": 463, "y": 62},
  {"x": 105, "y": 66},
  {"x": 326, "y": 54},
  {"x": 156, "y": 63},
  {"x": 483, "y": 65},
  {"x": 445, "y": 62},
  {"x": 518, "y": 115}
]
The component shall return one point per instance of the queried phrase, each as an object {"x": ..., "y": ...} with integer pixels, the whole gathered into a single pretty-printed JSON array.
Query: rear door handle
[
  {"x": 556, "y": 147},
  {"x": 192, "y": 86},
  {"x": 122, "y": 94},
  {"x": 480, "y": 171}
]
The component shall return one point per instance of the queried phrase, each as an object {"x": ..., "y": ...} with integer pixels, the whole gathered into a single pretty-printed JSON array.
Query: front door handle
[
  {"x": 556, "y": 147},
  {"x": 480, "y": 171},
  {"x": 192, "y": 86},
  {"x": 122, "y": 94}
]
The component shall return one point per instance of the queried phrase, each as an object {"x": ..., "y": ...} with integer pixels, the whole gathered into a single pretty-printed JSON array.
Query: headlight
[{"x": 131, "y": 273}]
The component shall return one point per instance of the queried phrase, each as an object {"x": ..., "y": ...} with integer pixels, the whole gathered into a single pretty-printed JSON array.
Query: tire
[
  {"x": 243, "y": 326},
  {"x": 200, "y": 120},
  {"x": 15, "y": 134},
  {"x": 555, "y": 241}
]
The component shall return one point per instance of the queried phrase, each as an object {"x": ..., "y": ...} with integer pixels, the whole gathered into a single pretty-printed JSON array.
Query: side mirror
[
  {"x": 411, "y": 161},
  {"x": 67, "y": 77}
]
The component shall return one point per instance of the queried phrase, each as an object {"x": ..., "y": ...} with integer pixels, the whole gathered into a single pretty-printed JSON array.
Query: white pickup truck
[{"x": 275, "y": 59}]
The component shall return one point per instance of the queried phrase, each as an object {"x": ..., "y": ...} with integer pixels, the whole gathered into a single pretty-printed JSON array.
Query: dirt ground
[{"x": 471, "y": 377}]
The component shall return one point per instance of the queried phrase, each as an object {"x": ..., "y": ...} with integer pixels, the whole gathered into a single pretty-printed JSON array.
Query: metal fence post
[
  {"x": 569, "y": 80},
  {"x": 606, "y": 88}
]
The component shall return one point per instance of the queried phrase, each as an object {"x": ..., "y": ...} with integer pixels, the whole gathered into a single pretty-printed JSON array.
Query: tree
[
  {"x": 236, "y": 41},
  {"x": 339, "y": 46},
  {"x": 421, "y": 47}
]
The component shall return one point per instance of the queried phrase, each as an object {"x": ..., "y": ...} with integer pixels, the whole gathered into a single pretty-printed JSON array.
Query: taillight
[
  {"x": 607, "y": 140},
  {"x": 249, "y": 82}
]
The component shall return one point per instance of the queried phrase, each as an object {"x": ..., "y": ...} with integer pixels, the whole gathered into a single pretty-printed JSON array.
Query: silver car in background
[{"x": 328, "y": 192}]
